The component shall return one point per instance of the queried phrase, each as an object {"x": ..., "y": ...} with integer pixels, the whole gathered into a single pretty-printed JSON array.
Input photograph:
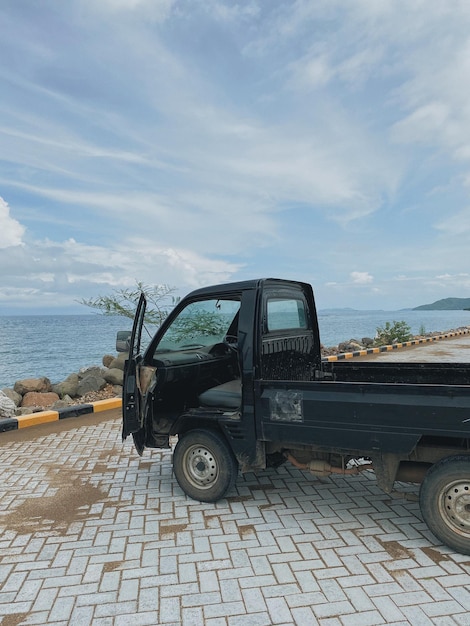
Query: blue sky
[{"x": 190, "y": 143}]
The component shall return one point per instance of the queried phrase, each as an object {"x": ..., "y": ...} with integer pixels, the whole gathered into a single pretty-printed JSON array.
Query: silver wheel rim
[
  {"x": 201, "y": 467},
  {"x": 454, "y": 506}
]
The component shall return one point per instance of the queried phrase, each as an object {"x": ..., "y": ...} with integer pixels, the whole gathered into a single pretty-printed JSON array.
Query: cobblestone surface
[{"x": 93, "y": 534}]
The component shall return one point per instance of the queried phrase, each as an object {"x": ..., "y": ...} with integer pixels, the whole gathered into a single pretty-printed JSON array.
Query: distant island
[{"x": 447, "y": 304}]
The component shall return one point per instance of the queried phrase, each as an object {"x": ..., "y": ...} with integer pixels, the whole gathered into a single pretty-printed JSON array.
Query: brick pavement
[{"x": 93, "y": 534}]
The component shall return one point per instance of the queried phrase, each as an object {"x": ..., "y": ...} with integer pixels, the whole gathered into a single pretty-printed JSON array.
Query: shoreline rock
[{"x": 32, "y": 395}]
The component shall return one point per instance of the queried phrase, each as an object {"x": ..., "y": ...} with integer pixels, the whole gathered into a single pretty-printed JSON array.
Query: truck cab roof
[{"x": 244, "y": 285}]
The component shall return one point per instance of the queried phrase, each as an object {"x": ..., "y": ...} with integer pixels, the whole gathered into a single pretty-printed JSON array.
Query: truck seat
[{"x": 228, "y": 395}]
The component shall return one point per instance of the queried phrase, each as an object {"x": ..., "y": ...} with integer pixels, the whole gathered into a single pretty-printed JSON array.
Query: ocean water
[
  {"x": 54, "y": 345},
  {"x": 341, "y": 325},
  {"x": 58, "y": 345}
]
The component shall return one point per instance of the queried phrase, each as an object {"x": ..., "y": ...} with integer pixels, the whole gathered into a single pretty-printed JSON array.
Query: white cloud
[
  {"x": 231, "y": 12},
  {"x": 157, "y": 10},
  {"x": 361, "y": 278},
  {"x": 311, "y": 72},
  {"x": 422, "y": 124},
  {"x": 11, "y": 231},
  {"x": 54, "y": 273},
  {"x": 185, "y": 266},
  {"x": 456, "y": 224}
]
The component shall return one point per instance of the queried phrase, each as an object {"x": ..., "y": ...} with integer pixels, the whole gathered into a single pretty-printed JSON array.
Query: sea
[{"x": 57, "y": 345}]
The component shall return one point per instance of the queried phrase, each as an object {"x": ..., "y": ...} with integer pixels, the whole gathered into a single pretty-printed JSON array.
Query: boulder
[
  {"x": 114, "y": 376},
  {"x": 27, "y": 410},
  {"x": 107, "y": 359},
  {"x": 15, "y": 397},
  {"x": 119, "y": 361},
  {"x": 93, "y": 381},
  {"x": 367, "y": 342},
  {"x": 350, "y": 346},
  {"x": 60, "y": 404},
  {"x": 7, "y": 406},
  {"x": 92, "y": 370},
  {"x": 40, "y": 385},
  {"x": 69, "y": 387},
  {"x": 35, "y": 398},
  {"x": 63, "y": 403}
]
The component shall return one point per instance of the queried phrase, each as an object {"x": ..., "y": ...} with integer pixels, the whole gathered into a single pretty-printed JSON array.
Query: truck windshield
[{"x": 200, "y": 324}]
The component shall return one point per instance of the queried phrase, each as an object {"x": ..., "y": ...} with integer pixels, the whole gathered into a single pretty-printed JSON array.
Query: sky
[{"x": 188, "y": 143}]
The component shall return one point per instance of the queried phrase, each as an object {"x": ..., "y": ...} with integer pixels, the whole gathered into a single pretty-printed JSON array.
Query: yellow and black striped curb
[
  {"x": 395, "y": 346},
  {"x": 43, "y": 417}
]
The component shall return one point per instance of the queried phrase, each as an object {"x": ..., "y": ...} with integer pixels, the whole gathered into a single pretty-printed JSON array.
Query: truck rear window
[{"x": 286, "y": 314}]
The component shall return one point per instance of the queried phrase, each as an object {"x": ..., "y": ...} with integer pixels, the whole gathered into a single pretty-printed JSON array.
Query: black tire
[
  {"x": 444, "y": 500},
  {"x": 204, "y": 465}
]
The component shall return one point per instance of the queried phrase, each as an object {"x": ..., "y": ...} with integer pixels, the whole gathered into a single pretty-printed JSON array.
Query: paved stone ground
[{"x": 92, "y": 534}]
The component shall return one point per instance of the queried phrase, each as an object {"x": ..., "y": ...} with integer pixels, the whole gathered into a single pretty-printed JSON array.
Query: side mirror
[{"x": 123, "y": 339}]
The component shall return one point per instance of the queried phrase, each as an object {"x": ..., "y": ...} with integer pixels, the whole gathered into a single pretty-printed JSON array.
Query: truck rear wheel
[
  {"x": 445, "y": 502},
  {"x": 204, "y": 465}
]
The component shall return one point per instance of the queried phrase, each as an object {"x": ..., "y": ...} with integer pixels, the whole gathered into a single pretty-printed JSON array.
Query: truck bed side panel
[
  {"x": 409, "y": 373},
  {"x": 361, "y": 417}
]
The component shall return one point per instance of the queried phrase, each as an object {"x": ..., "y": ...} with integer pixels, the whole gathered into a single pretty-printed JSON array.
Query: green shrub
[{"x": 393, "y": 332}]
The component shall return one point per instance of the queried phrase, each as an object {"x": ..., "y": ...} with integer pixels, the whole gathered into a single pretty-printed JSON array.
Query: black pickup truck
[{"x": 235, "y": 371}]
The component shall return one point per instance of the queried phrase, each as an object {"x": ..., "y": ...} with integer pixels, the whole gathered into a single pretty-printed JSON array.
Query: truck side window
[{"x": 285, "y": 314}]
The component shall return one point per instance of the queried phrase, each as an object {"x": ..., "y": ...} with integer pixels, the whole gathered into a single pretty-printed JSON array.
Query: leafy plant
[
  {"x": 124, "y": 301},
  {"x": 197, "y": 324},
  {"x": 393, "y": 332}
]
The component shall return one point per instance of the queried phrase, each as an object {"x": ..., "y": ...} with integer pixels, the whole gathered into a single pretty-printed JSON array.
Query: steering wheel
[
  {"x": 231, "y": 341},
  {"x": 227, "y": 345}
]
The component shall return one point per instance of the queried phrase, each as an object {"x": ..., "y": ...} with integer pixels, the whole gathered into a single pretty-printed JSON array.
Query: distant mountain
[{"x": 447, "y": 304}]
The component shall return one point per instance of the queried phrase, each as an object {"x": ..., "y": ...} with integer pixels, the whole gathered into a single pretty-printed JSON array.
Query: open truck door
[{"x": 132, "y": 413}]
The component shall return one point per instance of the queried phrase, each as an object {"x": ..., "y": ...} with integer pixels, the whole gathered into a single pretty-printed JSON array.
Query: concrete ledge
[
  {"x": 105, "y": 405},
  {"x": 43, "y": 417},
  {"x": 395, "y": 346}
]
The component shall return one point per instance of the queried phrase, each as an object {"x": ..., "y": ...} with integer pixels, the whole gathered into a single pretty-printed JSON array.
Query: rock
[
  {"x": 60, "y": 404},
  {"x": 40, "y": 385},
  {"x": 92, "y": 370},
  {"x": 35, "y": 398},
  {"x": 107, "y": 359},
  {"x": 367, "y": 342},
  {"x": 93, "y": 381},
  {"x": 117, "y": 390},
  {"x": 114, "y": 376},
  {"x": 15, "y": 397},
  {"x": 350, "y": 346},
  {"x": 63, "y": 403},
  {"x": 27, "y": 410},
  {"x": 119, "y": 361},
  {"x": 7, "y": 406},
  {"x": 69, "y": 387}
]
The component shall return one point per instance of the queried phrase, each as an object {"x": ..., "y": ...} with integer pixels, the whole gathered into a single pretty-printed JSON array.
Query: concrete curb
[
  {"x": 43, "y": 417},
  {"x": 395, "y": 346}
]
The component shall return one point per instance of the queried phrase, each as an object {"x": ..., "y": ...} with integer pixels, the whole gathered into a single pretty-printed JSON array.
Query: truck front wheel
[
  {"x": 445, "y": 502},
  {"x": 204, "y": 465}
]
